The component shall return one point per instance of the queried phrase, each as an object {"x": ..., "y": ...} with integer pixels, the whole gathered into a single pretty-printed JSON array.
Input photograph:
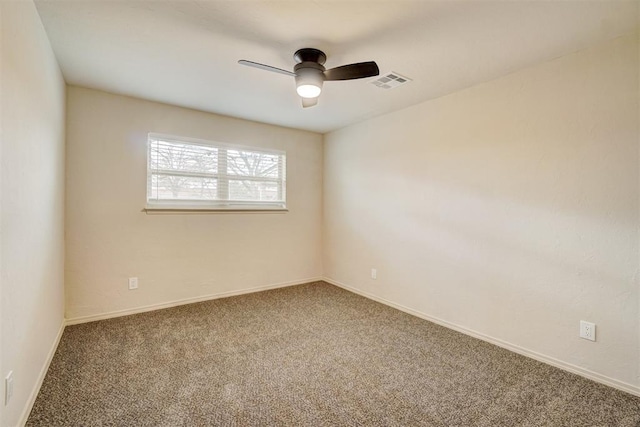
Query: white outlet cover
[
  {"x": 133, "y": 283},
  {"x": 8, "y": 388},
  {"x": 374, "y": 273},
  {"x": 587, "y": 330}
]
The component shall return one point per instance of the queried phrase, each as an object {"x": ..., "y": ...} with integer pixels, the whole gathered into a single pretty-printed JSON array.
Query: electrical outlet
[
  {"x": 587, "y": 330},
  {"x": 8, "y": 388},
  {"x": 133, "y": 283},
  {"x": 374, "y": 273}
]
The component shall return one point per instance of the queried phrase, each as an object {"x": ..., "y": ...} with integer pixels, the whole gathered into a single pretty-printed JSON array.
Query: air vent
[{"x": 390, "y": 80}]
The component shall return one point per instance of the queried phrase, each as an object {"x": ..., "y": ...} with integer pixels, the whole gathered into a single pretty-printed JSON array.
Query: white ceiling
[{"x": 185, "y": 52}]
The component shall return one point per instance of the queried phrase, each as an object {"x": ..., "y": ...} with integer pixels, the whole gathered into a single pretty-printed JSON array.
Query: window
[{"x": 187, "y": 174}]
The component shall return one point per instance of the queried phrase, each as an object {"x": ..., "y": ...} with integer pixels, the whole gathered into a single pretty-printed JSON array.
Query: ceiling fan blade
[
  {"x": 309, "y": 102},
  {"x": 352, "y": 71},
  {"x": 266, "y": 67}
]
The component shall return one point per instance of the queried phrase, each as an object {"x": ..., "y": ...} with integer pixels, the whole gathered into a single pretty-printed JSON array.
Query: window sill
[{"x": 178, "y": 210}]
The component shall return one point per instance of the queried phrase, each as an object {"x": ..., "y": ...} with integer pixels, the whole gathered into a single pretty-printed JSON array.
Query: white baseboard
[
  {"x": 43, "y": 373},
  {"x": 152, "y": 307},
  {"x": 586, "y": 373}
]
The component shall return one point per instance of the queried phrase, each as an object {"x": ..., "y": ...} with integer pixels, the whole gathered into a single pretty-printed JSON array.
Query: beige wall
[
  {"x": 509, "y": 209},
  {"x": 32, "y": 203},
  {"x": 109, "y": 239}
]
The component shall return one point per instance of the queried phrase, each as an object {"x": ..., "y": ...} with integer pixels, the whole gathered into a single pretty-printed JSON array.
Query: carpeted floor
[{"x": 312, "y": 355}]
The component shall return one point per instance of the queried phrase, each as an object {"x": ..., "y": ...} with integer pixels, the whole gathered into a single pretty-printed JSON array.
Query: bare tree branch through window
[{"x": 182, "y": 172}]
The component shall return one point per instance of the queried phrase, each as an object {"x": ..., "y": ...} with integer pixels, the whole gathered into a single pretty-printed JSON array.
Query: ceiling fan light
[
  {"x": 308, "y": 90},
  {"x": 308, "y": 82}
]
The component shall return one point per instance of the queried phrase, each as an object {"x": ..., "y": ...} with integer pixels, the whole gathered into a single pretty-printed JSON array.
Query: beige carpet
[{"x": 312, "y": 355}]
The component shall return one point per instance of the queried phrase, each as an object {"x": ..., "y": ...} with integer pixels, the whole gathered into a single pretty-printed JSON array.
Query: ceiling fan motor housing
[
  {"x": 309, "y": 68},
  {"x": 309, "y": 54}
]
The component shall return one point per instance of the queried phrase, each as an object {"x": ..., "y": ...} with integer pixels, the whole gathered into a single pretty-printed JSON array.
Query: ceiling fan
[{"x": 310, "y": 73}]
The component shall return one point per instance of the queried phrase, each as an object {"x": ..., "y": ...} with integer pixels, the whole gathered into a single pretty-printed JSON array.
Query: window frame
[{"x": 196, "y": 206}]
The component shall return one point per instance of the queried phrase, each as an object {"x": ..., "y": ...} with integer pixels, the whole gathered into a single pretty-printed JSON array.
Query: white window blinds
[{"x": 194, "y": 174}]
